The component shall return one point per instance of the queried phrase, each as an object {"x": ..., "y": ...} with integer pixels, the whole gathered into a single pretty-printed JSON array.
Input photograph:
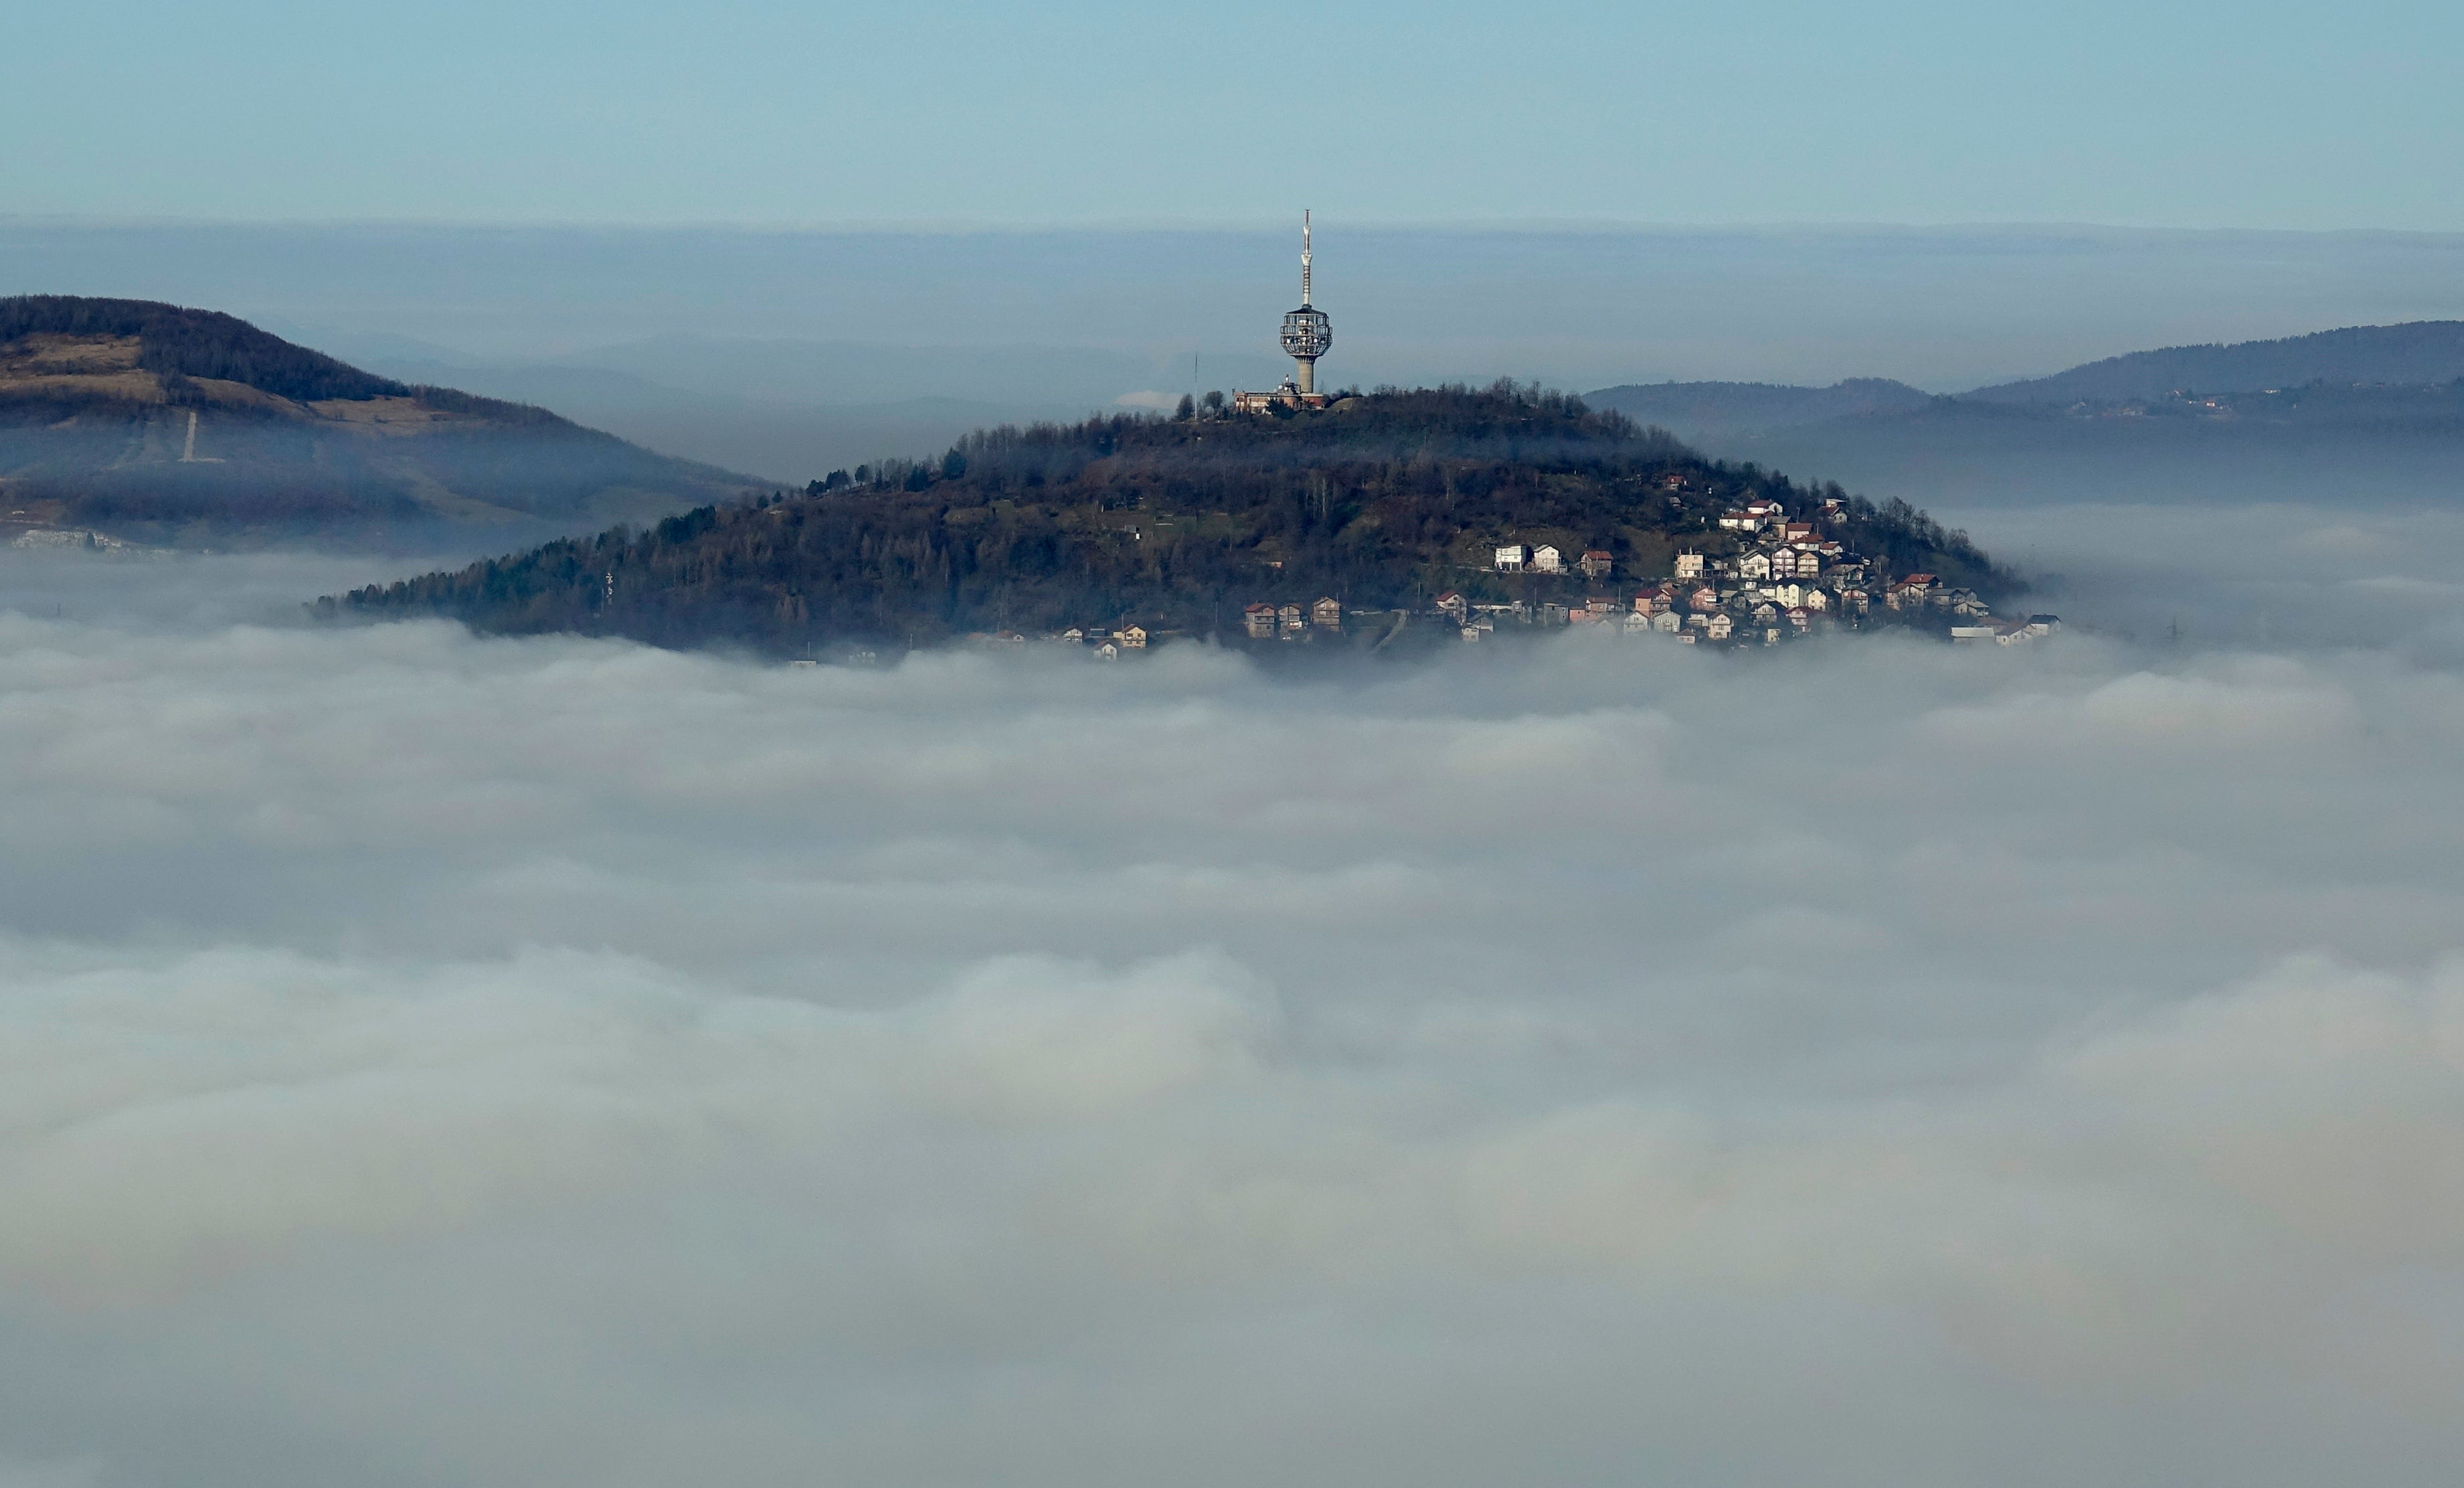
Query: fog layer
[{"x": 426, "y": 1059}]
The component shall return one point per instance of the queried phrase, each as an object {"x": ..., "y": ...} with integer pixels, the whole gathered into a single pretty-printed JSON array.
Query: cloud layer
[{"x": 432, "y": 1060}]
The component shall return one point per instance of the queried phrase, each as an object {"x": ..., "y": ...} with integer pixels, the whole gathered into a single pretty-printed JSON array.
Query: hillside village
[{"x": 1786, "y": 581}]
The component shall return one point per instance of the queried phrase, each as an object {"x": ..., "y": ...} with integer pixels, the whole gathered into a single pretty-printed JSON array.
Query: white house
[
  {"x": 1754, "y": 565},
  {"x": 1510, "y": 558},
  {"x": 1690, "y": 565},
  {"x": 1545, "y": 559}
]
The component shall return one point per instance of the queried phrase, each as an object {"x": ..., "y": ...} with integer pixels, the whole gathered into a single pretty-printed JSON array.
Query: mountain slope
[
  {"x": 2361, "y": 416},
  {"x": 173, "y": 425},
  {"x": 2417, "y": 353},
  {"x": 1382, "y": 503}
]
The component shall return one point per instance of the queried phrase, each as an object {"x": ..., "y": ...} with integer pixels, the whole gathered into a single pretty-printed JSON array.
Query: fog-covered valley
[
  {"x": 434, "y": 1060},
  {"x": 958, "y": 745}
]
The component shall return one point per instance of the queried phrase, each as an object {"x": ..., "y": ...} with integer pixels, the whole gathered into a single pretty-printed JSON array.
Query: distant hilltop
[
  {"x": 2363, "y": 413},
  {"x": 160, "y": 424},
  {"x": 2418, "y": 354},
  {"x": 1404, "y": 515}
]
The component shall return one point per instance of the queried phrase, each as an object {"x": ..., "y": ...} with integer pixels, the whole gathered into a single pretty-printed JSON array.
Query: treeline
[
  {"x": 176, "y": 341},
  {"x": 1175, "y": 523}
]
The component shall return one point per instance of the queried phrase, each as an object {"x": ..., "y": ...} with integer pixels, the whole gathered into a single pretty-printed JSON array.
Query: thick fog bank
[
  {"x": 428, "y": 1059},
  {"x": 2371, "y": 576}
]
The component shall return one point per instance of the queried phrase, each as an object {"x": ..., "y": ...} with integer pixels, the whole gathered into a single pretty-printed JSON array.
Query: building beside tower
[{"x": 1307, "y": 336}]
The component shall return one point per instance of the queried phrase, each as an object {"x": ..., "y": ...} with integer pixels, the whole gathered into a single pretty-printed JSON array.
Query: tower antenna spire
[{"x": 1305, "y": 257}]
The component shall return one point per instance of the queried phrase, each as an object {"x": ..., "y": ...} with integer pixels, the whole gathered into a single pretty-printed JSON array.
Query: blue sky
[{"x": 752, "y": 111}]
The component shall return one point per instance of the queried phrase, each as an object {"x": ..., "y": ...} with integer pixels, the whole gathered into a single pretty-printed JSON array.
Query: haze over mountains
[
  {"x": 2362, "y": 412},
  {"x": 997, "y": 325},
  {"x": 1587, "y": 306},
  {"x": 790, "y": 409}
]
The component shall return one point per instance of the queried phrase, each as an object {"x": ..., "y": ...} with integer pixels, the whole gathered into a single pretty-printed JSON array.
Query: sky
[
  {"x": 765, "y": 111},
  {"x": 430, "y": 1059}
]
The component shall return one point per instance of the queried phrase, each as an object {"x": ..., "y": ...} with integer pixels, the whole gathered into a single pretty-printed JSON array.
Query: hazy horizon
[{"x": 787, "y": 353}]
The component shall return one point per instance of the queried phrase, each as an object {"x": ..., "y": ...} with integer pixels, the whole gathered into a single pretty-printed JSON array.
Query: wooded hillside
[{"x": 1175, "y": 523}]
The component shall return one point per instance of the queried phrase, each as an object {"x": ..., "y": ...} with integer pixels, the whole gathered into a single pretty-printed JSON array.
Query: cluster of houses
[
  {"x": 1789, "y": 580},
  {"x": 1266, "y": 622}
]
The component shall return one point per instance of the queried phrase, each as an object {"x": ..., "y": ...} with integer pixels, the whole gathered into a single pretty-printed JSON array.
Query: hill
[
  {"x": 2415, "y": 354},
  {"x": 168, "y": 425},
  {"x": 2364, "y": 415},
  {"x": 1177, "y": 524}
]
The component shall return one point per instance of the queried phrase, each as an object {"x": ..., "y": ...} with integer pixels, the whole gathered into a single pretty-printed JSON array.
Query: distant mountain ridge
[
  {"x": 2414, "y": 354},
  {"x": 168, "y": 424},
  {"x": 1698, "y": 409},
  {"x": 2362, "y": 413}
]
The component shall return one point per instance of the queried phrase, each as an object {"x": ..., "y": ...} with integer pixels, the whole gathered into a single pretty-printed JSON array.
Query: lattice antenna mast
[{"x": 1305, "y": 257}]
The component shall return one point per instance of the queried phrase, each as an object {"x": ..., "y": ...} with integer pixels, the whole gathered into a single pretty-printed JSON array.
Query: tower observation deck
[{"x": 1307, "y": 336}]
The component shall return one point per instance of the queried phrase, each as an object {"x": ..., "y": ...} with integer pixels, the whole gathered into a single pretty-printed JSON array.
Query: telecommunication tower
[
  {"x": 1307, "y": 336},
  {"x": 1306, "y": 331}
]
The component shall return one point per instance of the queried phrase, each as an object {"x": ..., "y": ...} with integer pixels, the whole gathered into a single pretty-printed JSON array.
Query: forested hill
[
  {"x": 1177, "y": 524},
  {"x": 179, "y": 426}
]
